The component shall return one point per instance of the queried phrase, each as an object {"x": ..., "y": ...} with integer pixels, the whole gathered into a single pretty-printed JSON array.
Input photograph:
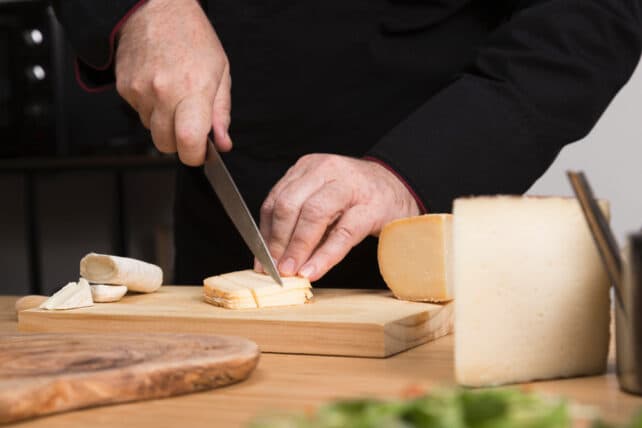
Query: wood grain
[
  {"x": 284, "y": 382},
  {"x": 49, "y": 373},
  {"x": 364, "y": 323}
]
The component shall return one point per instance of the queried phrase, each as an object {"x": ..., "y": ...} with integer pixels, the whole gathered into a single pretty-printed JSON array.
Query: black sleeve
[
  {"x": 91, "y": 27},
  {"x": 541, "y": 80}
]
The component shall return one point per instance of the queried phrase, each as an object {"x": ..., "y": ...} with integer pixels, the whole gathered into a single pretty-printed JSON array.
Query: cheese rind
[
  {"x": 71, "y": 296},
  {"x": 415, "y": 257},
  {"x": 247, "y": 289},
  {"x": 531, "y": 296}
]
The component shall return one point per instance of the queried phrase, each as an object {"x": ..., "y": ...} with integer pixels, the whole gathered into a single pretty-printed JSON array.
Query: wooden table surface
[{"x": 299, "y": 382}]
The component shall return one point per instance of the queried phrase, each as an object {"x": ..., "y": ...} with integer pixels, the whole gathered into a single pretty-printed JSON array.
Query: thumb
[
  {"x": 221, "y": 113},
  {"x": 192, "y": 122}
]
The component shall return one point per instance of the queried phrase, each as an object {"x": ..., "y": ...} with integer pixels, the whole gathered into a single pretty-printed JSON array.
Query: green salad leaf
[{"x": 448, "y": 408}]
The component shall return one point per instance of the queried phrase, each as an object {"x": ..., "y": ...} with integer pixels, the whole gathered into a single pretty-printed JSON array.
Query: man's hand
[
  {"x": 172, "y": 69},
  {"x": 324, "y": 206}
]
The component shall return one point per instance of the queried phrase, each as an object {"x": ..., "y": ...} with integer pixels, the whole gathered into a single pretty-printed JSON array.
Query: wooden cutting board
[
  {"x": 364, "y": 323},
  {"x": 50, "y": 373}
]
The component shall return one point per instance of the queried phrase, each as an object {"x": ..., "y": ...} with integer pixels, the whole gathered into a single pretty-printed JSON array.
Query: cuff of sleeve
[
  {"x": 107, "y": 59},
  {"x": 472, "y": 138},
  {"x": 91, "y": 80},
  {"x": 94, "y": 74},
  {"x": 420, "y": 204}
]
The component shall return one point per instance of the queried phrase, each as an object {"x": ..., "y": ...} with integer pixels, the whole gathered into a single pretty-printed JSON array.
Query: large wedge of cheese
[
  {"x": 415, "y": 257},
  {"x": 531, "y": 296},
  {"x": 247, "y": 289}
]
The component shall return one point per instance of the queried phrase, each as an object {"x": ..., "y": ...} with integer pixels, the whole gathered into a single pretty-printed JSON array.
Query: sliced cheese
[
  {"x": 247, "y": 289},
  {"x": 415, "y": 257},
  {"x": 531, "y": 296},
  {"x": 71, "y": 296},
  {"x": 103, "y": 293},
  {"x": 135, "y": 274}
]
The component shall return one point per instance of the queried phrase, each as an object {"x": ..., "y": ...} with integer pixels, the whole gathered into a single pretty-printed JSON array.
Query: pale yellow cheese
[
  {"x": 415, "y": 257},
  {"x": 71, "y": 296},
  {"x": 531, "y": 296},
  {"x": 247, "y": 289}
]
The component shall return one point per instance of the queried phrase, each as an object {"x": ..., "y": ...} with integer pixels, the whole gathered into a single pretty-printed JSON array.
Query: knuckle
[
  {"x": 267, "y": 207},
  {"x": 299, "y": 244},
  {"x": 307, "y": 159},
  {"x": 187, "y": 136},
  {"x": 343, "y": 233},
  {"x": 136, "y": 87},
  {"x": 122, "y": 87},
  {"x": 331, "y": 162},
  {"x": 159, "y": 84},
  {"x": 284, "y": 209},
  {"x": 314, "y": 211}
]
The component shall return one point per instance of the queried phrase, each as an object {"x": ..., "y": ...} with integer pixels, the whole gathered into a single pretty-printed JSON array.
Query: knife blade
[{"x": 236, "y": 208}]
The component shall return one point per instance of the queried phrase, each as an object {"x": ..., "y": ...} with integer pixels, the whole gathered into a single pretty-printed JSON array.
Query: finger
[
  {"x": 192, "y": 122},
  {"x": 267, "y": 208},
  {"x": 258, "y": 267},
  {"x": 317, "y": 214},
  {"x": 162, "y": 128},
  {"x": 285, "y": 214},
  {"x": 352, "y": 228},
  {"x": 221, "y": 113}
]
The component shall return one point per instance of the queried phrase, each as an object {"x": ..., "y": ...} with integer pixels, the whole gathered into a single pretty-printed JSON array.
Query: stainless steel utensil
[{"x": 229, "y": 195}]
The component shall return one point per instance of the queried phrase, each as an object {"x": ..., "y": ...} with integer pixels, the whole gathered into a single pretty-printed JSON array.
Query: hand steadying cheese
[{"x": 325, "y": 205}]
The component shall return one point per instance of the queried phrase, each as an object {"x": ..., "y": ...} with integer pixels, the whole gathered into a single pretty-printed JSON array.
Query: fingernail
[
  {"x": 257, "y": 266},
  {"x": 307, "y": 271},
  {"x": 287, "y": 267}
]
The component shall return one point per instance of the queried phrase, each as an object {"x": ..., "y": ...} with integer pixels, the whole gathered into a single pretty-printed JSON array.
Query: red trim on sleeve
[
  {"x": 84, "y": 86},
  {"x": 420, "y": 204},
  {"x": 112, "y": 36}
]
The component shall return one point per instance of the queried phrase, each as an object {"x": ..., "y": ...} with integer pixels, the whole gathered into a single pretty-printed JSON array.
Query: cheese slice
[
  {"x": 103, "y": 293},
  {"x": 415, "y": 257},
  {"x": 71, "y": 296},
  {"x": 247, "y": 289},
  {"x": 531, "y": 296}
]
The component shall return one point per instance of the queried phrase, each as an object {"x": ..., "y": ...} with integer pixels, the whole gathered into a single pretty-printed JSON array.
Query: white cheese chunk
[
  {"x": 415, "y": 257},
  {"x": 71, "y": 296},
  {"x": 531, "y": 295},
  {"x": 103, "y": 293},
  {"x": 137, "y": 275}
]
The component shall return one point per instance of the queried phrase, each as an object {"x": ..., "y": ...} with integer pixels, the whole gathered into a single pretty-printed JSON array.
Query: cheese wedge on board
[
  {"x": 531, "y": 296},
  {"x": 247, "y": 289},
  {"x": 71, "y": 296},
  {"x": 415, "y": 257}
]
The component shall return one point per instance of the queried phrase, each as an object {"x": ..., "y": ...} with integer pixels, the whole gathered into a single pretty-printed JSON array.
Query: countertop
[{"x": 299, "y": 382}]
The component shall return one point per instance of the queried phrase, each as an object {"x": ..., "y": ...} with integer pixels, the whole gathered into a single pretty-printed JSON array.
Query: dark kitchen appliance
[{"x": 43, "y": 111}]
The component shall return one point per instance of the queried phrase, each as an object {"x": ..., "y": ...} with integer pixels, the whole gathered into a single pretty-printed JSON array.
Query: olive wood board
[
  {"x": 50, "y": 372},
  {"x": 360, "y": 323}
]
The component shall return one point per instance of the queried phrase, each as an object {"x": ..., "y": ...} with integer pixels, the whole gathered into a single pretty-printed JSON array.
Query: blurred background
[{"x": 78, "y": 173}]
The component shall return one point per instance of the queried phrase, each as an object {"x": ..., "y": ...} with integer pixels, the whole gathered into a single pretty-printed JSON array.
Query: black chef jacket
[{"x": 457, "y": 97}]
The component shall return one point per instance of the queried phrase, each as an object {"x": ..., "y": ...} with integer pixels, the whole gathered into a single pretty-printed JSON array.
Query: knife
[{"x": 235, "y": 207}]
